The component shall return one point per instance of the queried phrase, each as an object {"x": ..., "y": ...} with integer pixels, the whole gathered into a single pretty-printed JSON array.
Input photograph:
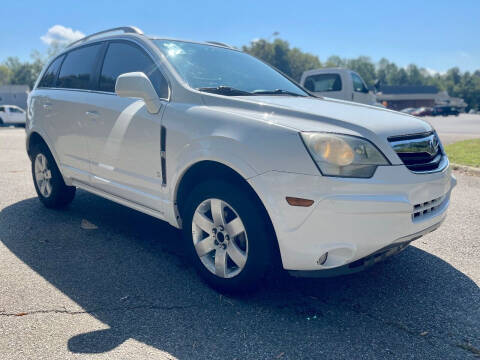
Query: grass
[{"x": 464, "y": 152}]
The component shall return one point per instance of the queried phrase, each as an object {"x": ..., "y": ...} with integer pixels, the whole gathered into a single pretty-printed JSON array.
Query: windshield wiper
[
  {"x": 276, "y": 92},
  {"x": 224, "y": 90}
]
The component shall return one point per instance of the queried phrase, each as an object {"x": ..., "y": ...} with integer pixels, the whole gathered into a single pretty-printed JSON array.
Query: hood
[
  {"x": 325, "y": 114},
  {"x": 382, "y": 122}
]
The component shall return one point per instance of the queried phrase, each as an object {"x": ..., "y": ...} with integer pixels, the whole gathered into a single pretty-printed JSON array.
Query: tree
[
  {"x": 292, "y": 62},
  {"x": 414, "y": 75},
  {"x": 335, "y": 61},
  {"x": 5, "y": 75},
  {"x": 13, "y": 71},
  {"x": 22, "y": 73},
  {"x": 364, "y": 67}
]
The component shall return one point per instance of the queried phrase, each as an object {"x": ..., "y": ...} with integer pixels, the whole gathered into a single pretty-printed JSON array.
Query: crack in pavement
[
  {"x": 466, "y": 345},
  {"x": 101, "y": 309}
]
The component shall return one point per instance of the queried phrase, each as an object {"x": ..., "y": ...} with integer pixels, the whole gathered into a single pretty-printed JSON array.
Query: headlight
[{"x": 343, "y": 155}]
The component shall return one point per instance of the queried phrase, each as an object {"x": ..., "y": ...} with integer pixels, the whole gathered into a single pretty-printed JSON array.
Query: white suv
[{"x": 247, "y": 163}]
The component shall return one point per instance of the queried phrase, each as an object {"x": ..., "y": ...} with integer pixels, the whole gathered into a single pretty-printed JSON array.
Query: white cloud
[
  {"x": 433, "y": 72},
  {"x": 61, "y": 34}
]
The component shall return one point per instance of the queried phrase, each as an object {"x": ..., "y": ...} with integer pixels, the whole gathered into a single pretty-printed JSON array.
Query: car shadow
[{"x": 132, "y": 274}]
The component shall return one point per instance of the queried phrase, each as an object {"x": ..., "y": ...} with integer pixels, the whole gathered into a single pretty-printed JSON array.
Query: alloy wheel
[
  {"x": 43, "y": 175},
  {"x": 220, "y": 238}
]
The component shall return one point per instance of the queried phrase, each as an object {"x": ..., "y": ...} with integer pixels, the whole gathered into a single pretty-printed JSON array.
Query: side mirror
[{"x": 138, "y": 85}]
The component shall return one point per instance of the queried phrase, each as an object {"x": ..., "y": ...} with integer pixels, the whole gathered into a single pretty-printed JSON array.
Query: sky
[{"x": 434, "y": 34}]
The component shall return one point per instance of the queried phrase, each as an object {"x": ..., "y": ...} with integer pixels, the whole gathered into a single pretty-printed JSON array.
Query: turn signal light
[{"x": 294, "y": 201}]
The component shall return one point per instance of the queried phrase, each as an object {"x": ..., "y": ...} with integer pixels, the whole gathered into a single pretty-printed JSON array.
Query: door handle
[
  {"x": 92, "y": 114},
  {"x": 47, "y": 106}
]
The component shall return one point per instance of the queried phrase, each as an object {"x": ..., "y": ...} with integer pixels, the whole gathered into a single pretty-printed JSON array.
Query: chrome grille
[{"x": 419, "y": 152}]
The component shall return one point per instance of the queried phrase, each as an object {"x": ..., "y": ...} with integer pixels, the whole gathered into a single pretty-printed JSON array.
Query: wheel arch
[
  {"x": 202, "y": 171},
  {"x": 205, "y": 170},
  {"x": 34, "y": 138}
]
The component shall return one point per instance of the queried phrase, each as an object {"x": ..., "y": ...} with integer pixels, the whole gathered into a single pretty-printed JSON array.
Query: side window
[
  {"x": 323, "y": 82},
  {"x": 2, "y": 109},
  {"x": 358, "y": 84},
  {"x": 78, "y": 68},
  {"x": 48, "y": 79},
  {"x": 123, "y": 58},
  {"x": 15, "y": 110}
]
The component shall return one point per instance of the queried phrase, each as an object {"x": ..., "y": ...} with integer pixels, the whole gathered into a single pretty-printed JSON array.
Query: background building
[
  {"x": 401, "y": 97},
  {"x": 14, "y": 95}
]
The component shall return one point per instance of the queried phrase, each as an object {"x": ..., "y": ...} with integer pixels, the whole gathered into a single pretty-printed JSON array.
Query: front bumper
[
  {"x": 351, "y": 218},
  {"x": 367, "y": 261}
]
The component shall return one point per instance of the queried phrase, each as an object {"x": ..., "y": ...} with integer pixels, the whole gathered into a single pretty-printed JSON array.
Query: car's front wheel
[
  {"x": 227, "y": 236},
  {"x": 51, "y": 189}
]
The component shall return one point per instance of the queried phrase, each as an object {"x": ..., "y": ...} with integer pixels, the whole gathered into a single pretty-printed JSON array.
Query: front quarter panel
[{"x": 248, "y": 146}]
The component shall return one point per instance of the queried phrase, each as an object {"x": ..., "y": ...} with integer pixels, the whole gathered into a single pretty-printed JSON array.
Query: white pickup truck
[
  {"x": 12, "y": 115},
  {"x": 338, "y": 83}
]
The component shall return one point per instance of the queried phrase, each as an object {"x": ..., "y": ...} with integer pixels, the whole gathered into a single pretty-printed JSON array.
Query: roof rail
[
  {"x": 125, "y": 29},
  {"x": 219, "y": 44}
]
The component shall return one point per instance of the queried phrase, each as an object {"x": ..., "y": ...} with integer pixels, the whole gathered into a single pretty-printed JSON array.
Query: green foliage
[
  {"x": 5, "y": 75},
  {"x": 13, "y": 71},
  {"x": 465, "y": 152},
  {"x": 293, "y": 62},
  {"x": 22, "y": 73}
]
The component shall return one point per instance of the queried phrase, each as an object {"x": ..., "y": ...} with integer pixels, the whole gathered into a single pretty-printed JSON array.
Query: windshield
[{"x": 225, "y": 71}]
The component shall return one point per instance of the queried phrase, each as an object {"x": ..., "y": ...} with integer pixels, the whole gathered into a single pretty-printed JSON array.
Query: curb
[{"x": 468, "y": 169}]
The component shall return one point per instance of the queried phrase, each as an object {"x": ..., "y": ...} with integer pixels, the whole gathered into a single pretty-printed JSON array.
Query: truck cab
[{"x": 338, "y": 83}]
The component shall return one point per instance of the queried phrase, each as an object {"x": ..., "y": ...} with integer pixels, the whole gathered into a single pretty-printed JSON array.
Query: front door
[
  {"x": 124, "y": 139},
  {"x": 360, "y": 90}
]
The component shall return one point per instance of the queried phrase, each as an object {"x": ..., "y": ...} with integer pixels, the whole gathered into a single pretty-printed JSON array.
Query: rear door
[
  {"x": 125, "y": 139},
  {"x": 65, "y": 106}
]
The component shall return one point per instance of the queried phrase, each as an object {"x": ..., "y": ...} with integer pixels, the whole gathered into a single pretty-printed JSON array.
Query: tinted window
[
  {"x": 123, "y": 58},
  {"x": 358, "y": 84},
  {"x": 2, "y": 109},
  {"x": 48, "y": 79},
  {"x": 78, "y": 67},
  {"x": 323, "y": 82},
  {"x": 15, "y": 110}
]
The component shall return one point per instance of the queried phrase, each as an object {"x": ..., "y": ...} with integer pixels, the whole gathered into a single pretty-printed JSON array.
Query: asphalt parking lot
[
  {"x": 125, "y": 290},
  {"x": 456, "y": 128}
]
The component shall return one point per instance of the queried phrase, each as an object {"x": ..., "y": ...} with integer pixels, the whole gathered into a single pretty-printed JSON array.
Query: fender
[
  {"x": 50, "y": 146},
  {"x": 226, "y": 151}
]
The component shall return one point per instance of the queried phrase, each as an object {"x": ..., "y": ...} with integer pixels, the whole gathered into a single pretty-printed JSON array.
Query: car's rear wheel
[
  {"x": 51, "y": 189},
  {"x": 226, "y": 236}
]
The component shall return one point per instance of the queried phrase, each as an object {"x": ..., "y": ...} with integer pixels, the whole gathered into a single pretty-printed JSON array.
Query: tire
[
  {"x": 246, "y": 256},
  {"x": 1, "y": 122},
  {"x": 48, "y": 180}
]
